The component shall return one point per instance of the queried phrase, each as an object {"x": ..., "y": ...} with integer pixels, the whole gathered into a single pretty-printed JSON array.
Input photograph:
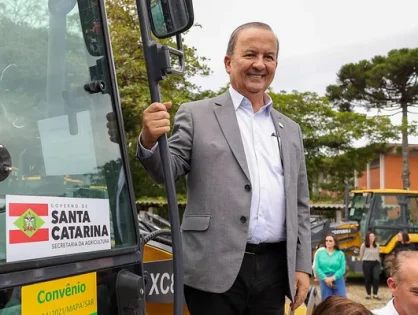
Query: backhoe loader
[{"x": 386, "y": 212}]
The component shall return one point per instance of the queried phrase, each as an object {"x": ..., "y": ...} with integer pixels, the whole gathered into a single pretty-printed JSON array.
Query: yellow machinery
[{"x": 386, "y": 212}]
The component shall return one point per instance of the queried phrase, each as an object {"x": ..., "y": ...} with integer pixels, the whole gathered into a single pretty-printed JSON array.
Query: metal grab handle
[
  {"x": 157, "y": 64},
  {"x": 179, "y": 53}
]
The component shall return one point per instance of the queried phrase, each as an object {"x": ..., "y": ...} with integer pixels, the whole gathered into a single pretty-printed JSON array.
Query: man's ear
[
  {"x": 392, "y": 285},
  {"x": 227, "y": 63}
]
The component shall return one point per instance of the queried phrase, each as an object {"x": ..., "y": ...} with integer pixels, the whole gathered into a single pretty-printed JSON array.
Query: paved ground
[{"x": 357, "y": 292}]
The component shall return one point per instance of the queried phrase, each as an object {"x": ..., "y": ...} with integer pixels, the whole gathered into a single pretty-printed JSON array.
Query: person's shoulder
[
  {"x": 411, "y": 247},
  {"x": 380, "y": 311},
  {"x": 321, "y": 251},
  {"x": 205, "y": 102},
  {"x": 388, "y": 309}
]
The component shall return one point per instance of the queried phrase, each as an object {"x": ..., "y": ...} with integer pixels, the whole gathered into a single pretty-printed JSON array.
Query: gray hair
[
  {"x": 233, "y": 39},
  {"x": 399, "y": 261}
]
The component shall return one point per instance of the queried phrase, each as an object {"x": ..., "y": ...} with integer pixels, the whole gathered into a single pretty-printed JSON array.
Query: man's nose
[{"x": 259, "y": 63}]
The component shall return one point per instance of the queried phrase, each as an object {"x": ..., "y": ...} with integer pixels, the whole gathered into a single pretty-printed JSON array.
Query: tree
[
  {"x": 330, "y": 137},
  {"x": 133, "y": 84},
  {"x": 385, "y": 82}
]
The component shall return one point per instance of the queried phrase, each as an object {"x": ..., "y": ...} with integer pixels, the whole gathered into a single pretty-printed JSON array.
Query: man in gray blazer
[{"x": 246, "y": 228}]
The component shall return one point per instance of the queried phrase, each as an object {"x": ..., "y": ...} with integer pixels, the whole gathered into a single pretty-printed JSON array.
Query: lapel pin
[{"x": 281, "y": 125}]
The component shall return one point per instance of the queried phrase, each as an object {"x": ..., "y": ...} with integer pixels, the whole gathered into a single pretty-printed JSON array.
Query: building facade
[{"x": 385, "y": 171}]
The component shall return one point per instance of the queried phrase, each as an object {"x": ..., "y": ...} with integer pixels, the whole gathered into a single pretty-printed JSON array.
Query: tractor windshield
[
  {"x": 359, "y": 206},
  {"x": 392, "y": 213},
  {"x": 65, "y": 191}
]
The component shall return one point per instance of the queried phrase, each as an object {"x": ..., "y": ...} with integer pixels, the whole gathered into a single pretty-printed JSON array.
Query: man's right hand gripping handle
[{"x": 155, "y": 122}]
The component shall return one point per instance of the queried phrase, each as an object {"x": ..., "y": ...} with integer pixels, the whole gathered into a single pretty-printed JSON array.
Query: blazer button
[
  {"x": 243, "y": 219},
  {"x": 247, "y": 187}
]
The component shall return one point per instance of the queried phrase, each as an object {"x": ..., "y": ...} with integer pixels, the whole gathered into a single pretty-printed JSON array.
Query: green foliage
[
  {"x": 330, "y": 137},
  {"x": 133, "y": 84},
  {"x": 384, "y": 82}
]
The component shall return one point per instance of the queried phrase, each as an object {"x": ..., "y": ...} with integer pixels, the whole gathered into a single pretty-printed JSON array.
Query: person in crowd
[
  {"x": 370, "y": 256},
  {"x": 339, "y": 305},
  {"x": 403, "y": 284},
  {"x": 330, "y": 266},
  {"x": 321, "y": 246},
  {"x": 404, "y": 243}
]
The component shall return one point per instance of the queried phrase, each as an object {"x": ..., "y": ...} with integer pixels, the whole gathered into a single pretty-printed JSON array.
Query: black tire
[{"x": 387, "y": 264}]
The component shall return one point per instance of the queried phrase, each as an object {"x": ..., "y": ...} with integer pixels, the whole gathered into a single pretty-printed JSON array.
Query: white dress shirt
[
  {"x": 261, "y": 145},
  {"x": 389, "y": 309}
]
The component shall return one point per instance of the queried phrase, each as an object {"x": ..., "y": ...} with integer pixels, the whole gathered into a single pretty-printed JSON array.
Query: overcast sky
[{"x": 316, "y": 37}]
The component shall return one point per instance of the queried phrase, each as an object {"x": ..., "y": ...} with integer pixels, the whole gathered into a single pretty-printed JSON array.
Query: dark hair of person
[
  {"x": 339, "y": 305},
  {"x": 367, "y": 240},
  {"x": 405, "y": 237}
]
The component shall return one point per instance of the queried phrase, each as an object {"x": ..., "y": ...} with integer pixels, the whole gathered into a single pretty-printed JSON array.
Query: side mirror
[
  {"x": 170, "y": 17},
  {"x": 92, "y": 27}
]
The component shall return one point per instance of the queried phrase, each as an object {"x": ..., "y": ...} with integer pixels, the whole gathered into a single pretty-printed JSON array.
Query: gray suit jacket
[{"x": 206, "y": 146}]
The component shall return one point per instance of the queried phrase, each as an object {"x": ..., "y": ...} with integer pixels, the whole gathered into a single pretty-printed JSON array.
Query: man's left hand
[{"x": 302, "y": 288}]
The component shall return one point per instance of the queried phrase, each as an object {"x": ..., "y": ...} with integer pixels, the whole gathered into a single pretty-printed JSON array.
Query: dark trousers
[
  {"x": 371, "y": 271},
  {"x": 259, "y": 289}
]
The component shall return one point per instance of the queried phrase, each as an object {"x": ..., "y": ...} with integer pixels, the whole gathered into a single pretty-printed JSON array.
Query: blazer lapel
[
  {"x": 227, "y": 119},
  {"x": 284, "y": 145}
]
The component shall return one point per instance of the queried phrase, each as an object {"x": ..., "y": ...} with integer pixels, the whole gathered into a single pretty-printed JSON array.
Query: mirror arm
[
  {"x": 179, "y": 53},
  {"x": 161, "y": 59},
  {"x": 154, "y": 54}
]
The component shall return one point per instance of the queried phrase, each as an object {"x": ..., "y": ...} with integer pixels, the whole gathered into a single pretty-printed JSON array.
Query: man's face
[
  {"x": 405, "y": 292},
  {"x": 252, "y": 66}
]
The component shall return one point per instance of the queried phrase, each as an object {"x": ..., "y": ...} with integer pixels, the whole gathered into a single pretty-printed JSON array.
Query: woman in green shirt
[{"x": 330, "y": 268}]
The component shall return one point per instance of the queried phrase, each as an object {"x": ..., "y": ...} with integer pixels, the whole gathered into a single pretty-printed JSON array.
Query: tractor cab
[{"x": 386, "y": 212}]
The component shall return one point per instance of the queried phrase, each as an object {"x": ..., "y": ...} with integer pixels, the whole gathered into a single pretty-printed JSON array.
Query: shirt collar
[
  {"x": 392, "y": 307},
  {"x": 389, "y": 308},
  {"x": 238, "y": 99}
]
